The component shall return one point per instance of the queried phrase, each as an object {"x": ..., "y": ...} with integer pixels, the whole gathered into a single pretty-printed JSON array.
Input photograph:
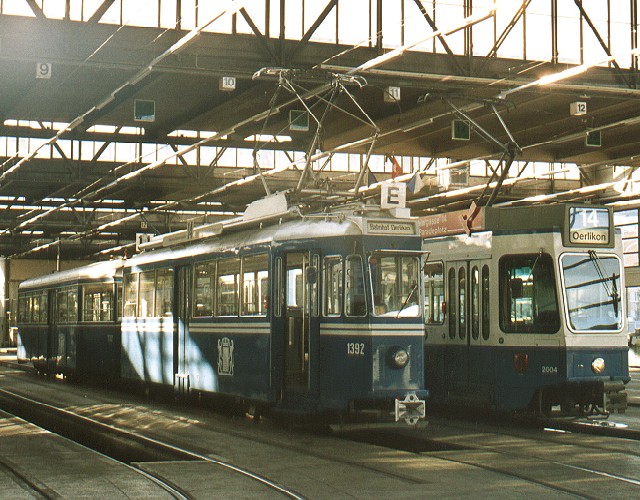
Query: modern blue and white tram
[
  {"x": 526, "y": 312},
  {"x": 313, "y": 314},
  {"x": 68, "y": 322}
]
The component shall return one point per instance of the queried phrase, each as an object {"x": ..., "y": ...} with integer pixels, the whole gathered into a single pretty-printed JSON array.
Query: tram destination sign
[
  {"x": 390, "y": 227},
  {"x": 589, "y": 226}
]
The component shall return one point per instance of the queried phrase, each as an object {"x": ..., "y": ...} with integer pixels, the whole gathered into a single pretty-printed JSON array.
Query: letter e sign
[{"x": 393, "y": 195}]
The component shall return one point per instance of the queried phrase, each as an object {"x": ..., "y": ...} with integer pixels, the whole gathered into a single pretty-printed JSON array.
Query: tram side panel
[
  {"x": 459, "y": 286},
  {"x": 225, "y": 345}
]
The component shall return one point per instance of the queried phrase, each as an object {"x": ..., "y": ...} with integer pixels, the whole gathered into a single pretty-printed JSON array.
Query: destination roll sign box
[{"x": 589, "y": 226}]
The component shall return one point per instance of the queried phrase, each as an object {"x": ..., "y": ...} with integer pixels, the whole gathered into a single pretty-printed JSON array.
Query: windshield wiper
[
  {"x": 406, "y": 301},
  {"x": 612, "y": 291}
]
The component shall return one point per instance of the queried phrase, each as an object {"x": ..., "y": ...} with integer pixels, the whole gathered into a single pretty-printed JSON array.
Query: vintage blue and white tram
[
  {"x": 313, "y": 314},
  {"x": 525, "y": 311},
  {"x": 69, "y": 322}
]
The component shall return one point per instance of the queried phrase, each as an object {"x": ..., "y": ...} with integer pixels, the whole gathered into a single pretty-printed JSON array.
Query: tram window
[
  {"x": 164, "y": 293},
  {"x": 90, "y": 303},
  {"x": 63, "y": 307},
  {"x": 38, "y": 313},
  {"x": 227, "y": 287},
  {"x": 36, "y": 308},
  {"x": 147, "y": 286},
  {"x": 434, "y": 293},
  {"x": 30, "y": 309},
  {"x": 295, "y": 286},
  {"x": 130, "y": 295},
  {"x": 97, "y": 302},
  {"x": 475, "y": 303},
  {"x": 73, "y": 304},
  {"x": 44, "y": 307},
  {"x": 485, "y": 303},
  {"x": 203, "y": 289},
  {"x": 315, "y": 304},
  {"x": 462, "y": 303},
  {"x": 394, "y": 284},
  {"x": 22, "y": 309},
  {"x": 119, "y": 304},
  {"x": 593, "y": 291},
  {"x": 29, "y": 316},
  {"x": 528, "y": 299},
  {"x": 354, "y": 284},
  {"x": 451, "y": 307},
  {"x": 27, "y": 309},
  {"x": 332, "y": 285},
  {"x": 255, "y": 284}
]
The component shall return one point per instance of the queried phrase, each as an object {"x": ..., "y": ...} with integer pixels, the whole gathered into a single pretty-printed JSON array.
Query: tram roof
[
  {"x": 502, "y": 218},
  {"x": 337, "y": 224},
  {"x": 104, "y": 271}
]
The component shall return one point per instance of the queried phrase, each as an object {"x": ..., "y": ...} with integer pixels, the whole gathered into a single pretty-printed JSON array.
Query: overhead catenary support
[{"x": 509, "y": 152}]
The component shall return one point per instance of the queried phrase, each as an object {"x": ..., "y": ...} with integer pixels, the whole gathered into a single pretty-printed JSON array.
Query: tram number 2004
[
  {"x": 355, "y": 349},
  {"x": 549, "y": 370}
]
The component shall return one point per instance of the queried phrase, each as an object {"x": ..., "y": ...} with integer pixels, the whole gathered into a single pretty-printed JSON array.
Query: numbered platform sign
[{"x": 43, "y": 70}]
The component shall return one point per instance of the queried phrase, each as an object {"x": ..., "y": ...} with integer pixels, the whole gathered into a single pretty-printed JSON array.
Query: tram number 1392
[{"x": 355, "y": 349}]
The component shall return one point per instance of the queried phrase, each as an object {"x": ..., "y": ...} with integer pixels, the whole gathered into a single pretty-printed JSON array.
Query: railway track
[
  {"x": 127, "y": 447},
  {"x": 534, "y": 454},
  {"x": 472, "y": 459}
]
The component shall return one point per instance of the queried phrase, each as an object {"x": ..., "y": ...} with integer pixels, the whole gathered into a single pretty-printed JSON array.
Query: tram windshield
[
  {"x": 593, "y": 291},
  {"x": 528, "y": 299},
  {"x": 395, "y": 285}
]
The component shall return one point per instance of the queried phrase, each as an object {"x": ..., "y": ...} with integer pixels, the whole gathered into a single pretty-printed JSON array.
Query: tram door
[
  {"x": 468, "y": 292},
  {"x": 181, "y": 377},
  {"x": 301, "y": 319}
]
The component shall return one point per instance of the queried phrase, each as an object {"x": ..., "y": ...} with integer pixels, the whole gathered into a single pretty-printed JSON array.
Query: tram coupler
[
  {"x": 614, "y": 396},
  {"x": 411, "y": 408}
]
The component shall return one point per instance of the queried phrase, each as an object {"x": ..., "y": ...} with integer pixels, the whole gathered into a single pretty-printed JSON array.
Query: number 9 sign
[{"x": 43, "y": 71}]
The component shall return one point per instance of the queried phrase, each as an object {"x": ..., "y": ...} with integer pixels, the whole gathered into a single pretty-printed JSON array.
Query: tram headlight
[
  {"x": 398, "y": 357},
  {"x": 598, "y": 365}
]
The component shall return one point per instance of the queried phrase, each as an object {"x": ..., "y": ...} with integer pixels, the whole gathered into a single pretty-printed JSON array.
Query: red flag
[{"x": 396, "y": 169}]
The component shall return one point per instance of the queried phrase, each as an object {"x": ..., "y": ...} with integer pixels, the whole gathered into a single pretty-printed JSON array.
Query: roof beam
[
  {"x": 35, "y": 8},
  {"x": 261, "y": 38},
  {"x": 441, "y": 38},
  {"x": 307, "y": 36},
  {"x": 100, "y": 11},
  {"x": 602, "y": 43}
]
